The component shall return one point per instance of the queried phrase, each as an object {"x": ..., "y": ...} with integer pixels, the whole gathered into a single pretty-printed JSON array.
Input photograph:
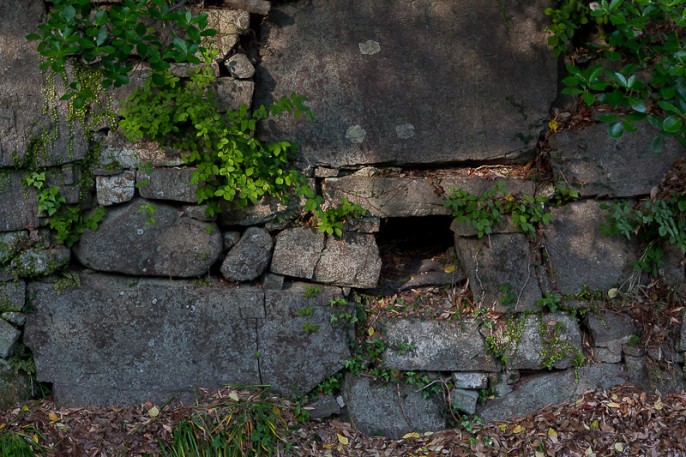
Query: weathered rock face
[
  {"x": 21, "y": 98},
  {"x": 167, "y": 184},
  {"x": 501, "y": 270},
  {"x": 538, "y": 391},
  {"x": 544, "y": 341},
  {"x": 40, "y": 262},
  {"x": 395, "y": 196},
  {"x": 609, "y": 331},
  {"x": 580, "y": 255},
  {"x": 299, "y": 347},
  {"x": 118, "y": 340},
  {"x": 129, "y": 242},
  {"x": 8, "y": 339},
  {"x": 12, "y": 295},
  {"x": 14, "y": 388},
  {"x": 319, "y": 257},
  {"x": 378, "y": 409},
  {"x": 607, "y": 167},
  {"x": 112, "y": 190},
  {"x": 415, "y": 344},
  {"x": 18, "y": 204},
  {"x": 375, "y": 101},
  {"x": 250, "y": 257}
]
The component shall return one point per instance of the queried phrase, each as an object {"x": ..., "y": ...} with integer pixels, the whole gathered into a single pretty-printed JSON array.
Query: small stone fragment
[
  {"x": 230, "y": 239},
  {"x": 232, "y": 93},
  {"x": 239, "y": 66},
  {"x": 35, "y": 262},
  {"x": 250, "y": 257},
  {"x": 112, "y": 190},
  {"x": 8, "y": 339},
  {"x": 464, "y": 400},
  {"x": 468, "y": 380}
]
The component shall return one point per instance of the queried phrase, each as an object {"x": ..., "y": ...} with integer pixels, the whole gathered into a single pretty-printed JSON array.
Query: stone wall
[{"x": 411, "y": 99}]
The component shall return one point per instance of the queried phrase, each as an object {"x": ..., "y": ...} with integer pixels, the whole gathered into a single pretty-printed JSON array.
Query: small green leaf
[
  {"x": 671, "y": 124},
  {"x": 615, "y": 130}
]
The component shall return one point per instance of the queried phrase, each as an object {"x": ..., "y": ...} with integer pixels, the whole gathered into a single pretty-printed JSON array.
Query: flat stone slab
[
  {"x": 298, "y": 345},
  {"x": 372, "y": 74},
  {"x": 538, "y": 391},
  {"x": 395, "y": 196},
  {"x": 390, "y": 410},
  {"x": 580, "y": 255},
  {"x": 250, "y": 257},
  {"x": 425, "y": 345},
  {"x": 163, "y": 243},
  {"x": 501, "y": 270},
  {"x": 117, "y": 340},
  {"x": 607, "y": 167}
]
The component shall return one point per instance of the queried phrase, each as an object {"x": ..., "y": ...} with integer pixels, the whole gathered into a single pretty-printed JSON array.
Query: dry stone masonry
[{"x": 411, "y": 102}]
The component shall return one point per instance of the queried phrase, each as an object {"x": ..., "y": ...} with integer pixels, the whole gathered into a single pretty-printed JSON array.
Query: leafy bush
[{"x": 646, "y": 38}]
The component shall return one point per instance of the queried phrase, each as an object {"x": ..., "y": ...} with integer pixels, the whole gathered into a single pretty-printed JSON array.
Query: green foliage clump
[
  {"x": 331, "y": 220},
  {"x": 231, "y": 164},
  {"x": 82, "y": 32},
  {"x": 646, "y": 38},
  {"x": 13, "y": 444},
  {"x": 483, "y": 212},
  {"x": 652, "y": 223}
]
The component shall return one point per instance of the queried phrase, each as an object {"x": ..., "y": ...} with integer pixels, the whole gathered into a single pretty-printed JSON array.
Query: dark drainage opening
[{"x": 416, "y": 252}]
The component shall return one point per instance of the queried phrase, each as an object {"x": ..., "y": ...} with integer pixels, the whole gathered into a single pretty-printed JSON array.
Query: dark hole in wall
[{"x": 413, "y": 246}]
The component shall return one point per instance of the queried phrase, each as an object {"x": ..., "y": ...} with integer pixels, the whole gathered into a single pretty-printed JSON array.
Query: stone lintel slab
[
  {"x": 117, "y": 340},
  {"x": 373, "y": 82},
  {"x": 395, "y": 196}
]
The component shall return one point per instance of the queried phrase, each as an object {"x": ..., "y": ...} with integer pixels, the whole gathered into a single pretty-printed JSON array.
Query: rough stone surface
[
  {"x": 21, "y": 92},
  {"x": 375, "y": 101},
  {"x": 580, "y": 255},
  {"x": 186, "y": 70},
  {"x": 8, "y": 338},
  {"x": 607, "y": 167},
  {"x": 464, "y": 400},
  {"x": 40, "y": 262},
  {"x": 232, "y": 93},
  {"x": 10, "y": 244},
  {"x": 250, "y": 257},
  {"x": 648, "y": 376},
  {"x": 18, "y": 204},
  {"x": 535, "y": 344},
  {"x": 377, "y": 409},
  {"x": 167, "y": 184},
  {"x": 14, "y": 387},
  {"x": 127, "y": 242},
  {"x": 501, "y": 270},
  {"x": 609, "y": 331},
  {"x": 470, "y": 380},
  {"x": 112, "y": 190},
  {"x": 266, "y": 210},
  {"x": 230, "y": 239},
  {"x": 362, "y": 265},
  {"x": 228, "y": 24},
  {"x": 395, "y": 196},
  {"x": 607, "y": 355},
  {"x": 120, "y": 153},
  {"x": 323, "y": 407},
  {"x": 198, "y": 212},
  {"x": 12, "y": 295},
  {"x": 415, "y": 344},
  {"x": 297, "y": 252},
  {"x": 537, "y": 391},
  {"x": 239, "y": 66},
  {"x": 363, "y": 225},
  {"x": 682, "y": 344},
  {"x": 673, "y": 272},
  {"x": 146, "y": 339},
  {"x": 271, "y": 281},
  {"x": 18, "y": 319},
  {"x": 293, "y": 359}
]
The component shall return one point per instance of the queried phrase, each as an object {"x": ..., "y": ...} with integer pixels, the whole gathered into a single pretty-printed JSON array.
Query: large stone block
[
  {"x": 352, "y": 260},
  {"x": 299, "y": 346},
  {"x": 22, "y": 118},
  {"x": 131, "y": 241},
  {"x": 423, "y": 345},
  {"x": 390, "y": 410},
  {"x": 118, "y": 340},
  {"x": 167, "y": 184},
  {"x": 604, "y": 166},
  {"x": 501, "y": 270},
  {"x": 396, "y": 196},
  {"x": 538, "y": 391},
  {"x": 371, "y": 74},
  {"x": 544, "y": 341},
  {"x": 580, "y": 255},
  {"x": 297, "y": 252},
  {"x": 18, "y": 203}
]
